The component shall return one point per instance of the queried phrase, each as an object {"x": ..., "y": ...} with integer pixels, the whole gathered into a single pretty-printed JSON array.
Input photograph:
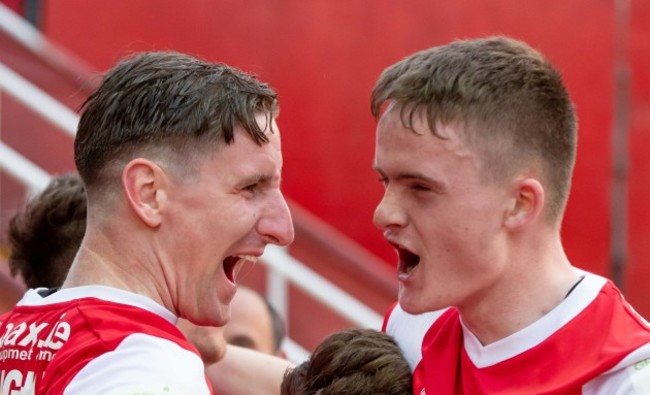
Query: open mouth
[
  {"x": 232, "y": 265},
  {"x": 407, "y": 261}
]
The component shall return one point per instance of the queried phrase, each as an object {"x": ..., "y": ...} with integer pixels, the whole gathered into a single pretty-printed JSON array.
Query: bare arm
[{"x": 246, "y": 372}]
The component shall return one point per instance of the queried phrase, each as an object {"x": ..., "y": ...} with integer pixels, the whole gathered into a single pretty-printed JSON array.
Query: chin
[
  {"x": 412, "y": 308},
  {"x": 409, "y": 305},
  {"x": 219, "y": 318},
  {"x": 415, "y": 304}
]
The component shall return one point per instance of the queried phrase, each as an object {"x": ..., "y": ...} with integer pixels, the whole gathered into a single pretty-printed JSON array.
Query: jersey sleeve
[{"x": 142, "y": 364}]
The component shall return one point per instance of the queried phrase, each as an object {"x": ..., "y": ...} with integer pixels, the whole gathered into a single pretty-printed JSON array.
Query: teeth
[
  {"x": 237, "y": 269},
  {"x": 250, "y": 258},
  {"x": 242, "y": 259}
]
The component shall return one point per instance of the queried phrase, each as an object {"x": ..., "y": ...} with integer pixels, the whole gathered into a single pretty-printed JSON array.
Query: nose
[
  {"x": 276, "y": 225},
  {"x": 388, "y": 213}
]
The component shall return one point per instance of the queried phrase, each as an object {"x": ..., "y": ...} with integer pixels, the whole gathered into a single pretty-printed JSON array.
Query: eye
[
  {"x": 420, "y": 187},
  {"x": 250, "y": 188}
]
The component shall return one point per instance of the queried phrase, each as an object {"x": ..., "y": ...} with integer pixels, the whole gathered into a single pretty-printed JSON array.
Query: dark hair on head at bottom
[{"x": 352, "y": 362}]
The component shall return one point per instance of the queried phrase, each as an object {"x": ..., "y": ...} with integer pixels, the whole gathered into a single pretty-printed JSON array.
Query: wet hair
[
  {"x": 510, "y": 101},
  {"x": 166, "y": 105},
  {"x": 351, "y": 362},
  {"x": 45, "y": 235}
]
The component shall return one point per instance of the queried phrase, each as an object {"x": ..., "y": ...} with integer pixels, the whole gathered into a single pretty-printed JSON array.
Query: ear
[
  {"x": 528, "y": 202},
  {"x": 144, "y": 185}
]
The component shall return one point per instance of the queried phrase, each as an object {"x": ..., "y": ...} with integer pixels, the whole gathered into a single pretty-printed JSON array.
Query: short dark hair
[
  {"x": 45, "y": 235},
  {"x": 351, "y": 362},
  {"x": 507, "y": 96},
  {"x": 171, "y": 101}
]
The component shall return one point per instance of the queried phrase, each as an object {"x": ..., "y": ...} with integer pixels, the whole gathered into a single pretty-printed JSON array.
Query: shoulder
[
  {"x": 141, "y": 363},
  {"x": 631, "y": 376},
  {"x": 111, "y": 321},
  {"x": 619, "y": 317},
  {"x": 627, "y": 335},
  {"x": 114, "y": 345}
]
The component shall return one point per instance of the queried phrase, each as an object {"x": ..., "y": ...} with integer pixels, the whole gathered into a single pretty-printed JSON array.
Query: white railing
[
  {"x": 21, "y": 31},
  {"x": 42, "y": 103},
  {"x": 31, "y": 39},
  {"x": 23, "y": 170},
  {"x": 283, "y": 268},
  {"x": 287, "y": 267}
]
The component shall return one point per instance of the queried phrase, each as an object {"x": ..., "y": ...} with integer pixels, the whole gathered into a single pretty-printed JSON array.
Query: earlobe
[
  {"x": 527, "y": 203},
  {"x": 143, "y": 183}
]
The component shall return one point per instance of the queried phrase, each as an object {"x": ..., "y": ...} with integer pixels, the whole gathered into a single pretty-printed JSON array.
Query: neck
[
  {"x": 99, "y": 262},
  {"x": 530, "y": 287}
]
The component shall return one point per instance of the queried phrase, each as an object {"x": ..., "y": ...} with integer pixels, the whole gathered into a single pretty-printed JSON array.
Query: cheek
[
  {"x": 245, "y": 223},
  {"x": 237, "y": 219},
  {"x": 447, "y": 239}
]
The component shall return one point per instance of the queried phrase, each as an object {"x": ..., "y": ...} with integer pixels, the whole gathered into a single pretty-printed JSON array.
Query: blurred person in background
[
  {"x": 44, "y": 236},
  {"x": 254, "y": 323}
]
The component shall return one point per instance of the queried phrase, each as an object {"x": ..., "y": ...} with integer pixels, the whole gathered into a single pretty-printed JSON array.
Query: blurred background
[{"x": 323, "y": 58}]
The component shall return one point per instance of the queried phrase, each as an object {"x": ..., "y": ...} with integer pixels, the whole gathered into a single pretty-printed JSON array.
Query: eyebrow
[
  {"x": 436, "y": 185},
  {"x": 260, "y": 179}
]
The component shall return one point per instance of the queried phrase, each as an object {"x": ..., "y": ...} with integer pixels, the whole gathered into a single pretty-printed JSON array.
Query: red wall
[{"x": 323, "y": 57}]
